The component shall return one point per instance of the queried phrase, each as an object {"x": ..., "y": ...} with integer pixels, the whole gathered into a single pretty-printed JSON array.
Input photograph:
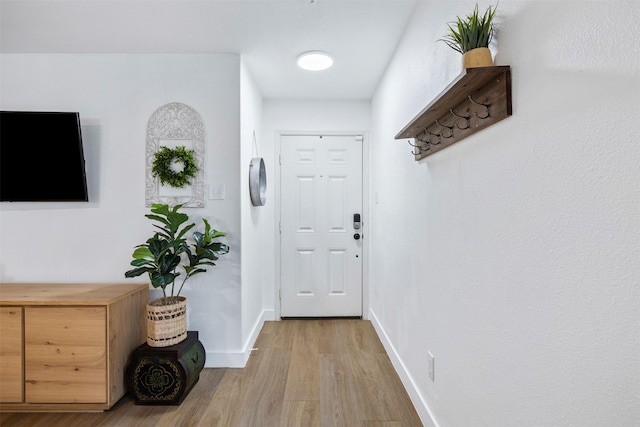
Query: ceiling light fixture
[{"x": 315, "y": 60}]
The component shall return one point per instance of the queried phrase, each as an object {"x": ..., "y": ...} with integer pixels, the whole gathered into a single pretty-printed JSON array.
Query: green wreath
[{"x": 162, "y": 166}]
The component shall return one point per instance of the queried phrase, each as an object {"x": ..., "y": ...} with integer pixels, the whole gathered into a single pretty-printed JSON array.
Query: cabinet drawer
[
  {"x": 11, "y": 380},
  {"x": 65, "y": 354}
]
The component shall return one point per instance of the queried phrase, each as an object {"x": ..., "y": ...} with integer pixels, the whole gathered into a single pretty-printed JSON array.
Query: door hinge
[
  {"x": 280, "y": 294},
  {"x": 280, "y": 227},
  {"x": 280, "y": 159}
]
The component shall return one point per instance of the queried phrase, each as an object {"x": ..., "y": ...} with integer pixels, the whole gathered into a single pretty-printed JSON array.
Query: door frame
[{"x": 365, "y": 212}]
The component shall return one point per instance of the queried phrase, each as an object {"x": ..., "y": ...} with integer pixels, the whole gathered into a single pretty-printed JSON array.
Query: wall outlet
[
  {"x": 430, "y": 365},
  {"x": 216, "y": 192}
]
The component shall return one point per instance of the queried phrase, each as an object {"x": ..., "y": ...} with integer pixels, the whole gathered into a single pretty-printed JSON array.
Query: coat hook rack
[
  {"x": 460, "y": 99},
  {"x": 467, "y": 119},
  {"x": 419, "y": 147},
  {"x": 424, "y": 141},
  {"x": 445, "y": 127},
  {"x": 482, "y": 105},
  {"x": 437, "y": 135}
]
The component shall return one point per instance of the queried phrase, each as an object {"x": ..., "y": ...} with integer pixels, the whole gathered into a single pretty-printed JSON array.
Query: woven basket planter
[{"x": 166, "y": 324}]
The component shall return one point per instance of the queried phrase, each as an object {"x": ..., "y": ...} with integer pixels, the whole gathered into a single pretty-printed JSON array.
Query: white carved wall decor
[{"x": 173, "y": 125}]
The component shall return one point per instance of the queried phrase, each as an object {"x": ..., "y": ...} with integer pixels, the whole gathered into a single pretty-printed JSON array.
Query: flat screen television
[{"x": 41, "y": 157}]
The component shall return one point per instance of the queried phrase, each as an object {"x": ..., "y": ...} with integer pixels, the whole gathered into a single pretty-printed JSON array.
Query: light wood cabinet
[
  {"x": 11, "y": 379},
  {"x": 65, "y": 354},
  {"x": 66, "y": 347}
]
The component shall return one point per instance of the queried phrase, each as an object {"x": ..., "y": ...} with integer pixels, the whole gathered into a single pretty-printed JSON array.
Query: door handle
[{"x": 356, "y": 236}]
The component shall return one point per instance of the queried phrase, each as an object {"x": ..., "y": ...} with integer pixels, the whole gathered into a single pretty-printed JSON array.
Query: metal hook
[
  {"x": 426, "y": 143},
  {"x": 412, "y": 151},
  {"x": 483, "y": 105},
  {"x": 419, "y": 146},
  {"x": 462, "y": 117},
  {"x": 422, "y": 140},
  {"x": 433, "y": 134},
  {"x": 450, "y": 130}
]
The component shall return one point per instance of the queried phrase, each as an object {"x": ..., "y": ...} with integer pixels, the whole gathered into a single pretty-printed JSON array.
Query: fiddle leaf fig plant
[
  {"x": 472, "y": 32},
  {"x": 168, "y": 251}
]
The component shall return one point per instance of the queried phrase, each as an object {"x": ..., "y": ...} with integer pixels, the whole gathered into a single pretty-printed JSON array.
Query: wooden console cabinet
[{"x": 66, "y": 346}]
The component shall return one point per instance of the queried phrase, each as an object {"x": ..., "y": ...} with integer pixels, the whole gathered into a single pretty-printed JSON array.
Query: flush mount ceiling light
[{"x": 315, "y": 60}]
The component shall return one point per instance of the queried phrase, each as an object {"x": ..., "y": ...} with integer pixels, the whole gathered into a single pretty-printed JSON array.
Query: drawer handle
[{"x": 195, "y": 360}]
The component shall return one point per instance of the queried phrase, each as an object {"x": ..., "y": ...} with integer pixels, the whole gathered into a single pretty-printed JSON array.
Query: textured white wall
[
  {"x": 92, "y": 242},
  {"x": 513, "y": 255}
]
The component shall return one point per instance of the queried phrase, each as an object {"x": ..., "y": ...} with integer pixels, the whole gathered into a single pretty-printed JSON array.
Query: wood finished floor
[{"x": 331, "y": 372}]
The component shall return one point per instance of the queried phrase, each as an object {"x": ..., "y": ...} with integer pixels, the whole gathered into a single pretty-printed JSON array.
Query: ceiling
[{"x": 361, "y": 35}]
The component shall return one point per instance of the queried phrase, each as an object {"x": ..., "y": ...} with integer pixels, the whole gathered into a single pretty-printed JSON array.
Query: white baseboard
[
  {"x": 257, "y": 327},
  {"x": 416, "y": 397},
  {"x": 224, "y": 360},
  {"x": 238, "y": 359}
]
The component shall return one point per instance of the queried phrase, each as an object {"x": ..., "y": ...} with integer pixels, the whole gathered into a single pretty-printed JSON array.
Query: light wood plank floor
[{"x": 331, "y": 372}]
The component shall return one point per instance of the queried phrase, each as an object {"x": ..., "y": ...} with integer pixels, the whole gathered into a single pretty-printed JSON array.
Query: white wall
[
  {"x": 284, "y": 116},
  {"x": 257, "y": 224},
  {"x": 92, "y": 242},
  {"x": 513, "y": 255}
]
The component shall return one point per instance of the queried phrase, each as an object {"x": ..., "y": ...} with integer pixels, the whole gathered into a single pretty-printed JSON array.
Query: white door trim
[{"x": 365, "y": 212}]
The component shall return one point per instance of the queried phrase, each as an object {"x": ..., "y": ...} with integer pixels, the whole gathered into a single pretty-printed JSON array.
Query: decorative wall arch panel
[{"x": 172, "y": 125}]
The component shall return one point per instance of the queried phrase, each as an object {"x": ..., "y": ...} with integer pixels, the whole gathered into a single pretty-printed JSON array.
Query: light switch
[{"x": 216, "y": 192}]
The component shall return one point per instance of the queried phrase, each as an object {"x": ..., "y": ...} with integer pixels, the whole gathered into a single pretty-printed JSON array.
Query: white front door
[{"x": 321, "y": 256}]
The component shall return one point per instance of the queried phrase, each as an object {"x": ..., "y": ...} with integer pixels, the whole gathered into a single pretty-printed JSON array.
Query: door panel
[
  {"x": 65, "y": 354},
  {"x": 305, "y": 272},
  {"x": 11, "y": 366},
  {"x": 321, "y": 262},
  {"x": 305, "y": 213}
]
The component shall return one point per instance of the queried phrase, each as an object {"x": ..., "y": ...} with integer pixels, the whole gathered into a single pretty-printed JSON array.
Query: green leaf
[
  {"x": 164, "y": 232},
  {"x": 471, "y": 32},
  {"x": 194, "y": 271},
  {"x": 137, "y": 272},
  {"x": 198, "y": 238},
  {"x": 176, "y": 219},
  {"x": 168, "y": 250},
  {"x": 169, "y": 262},
  {"x": 160, "y": 208},
  {"x": 184, "y": 230},
  {"x": 142, "y": 252},
  {"x": 157, "y": 247},
  {"x": 157, "y": 218},
  {"x": 141, "y": 262},
  {"x": 159, "y": 280}
]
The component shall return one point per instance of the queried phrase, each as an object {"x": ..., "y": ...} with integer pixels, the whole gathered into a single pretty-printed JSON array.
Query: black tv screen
[{"x": 41, "y": 157}]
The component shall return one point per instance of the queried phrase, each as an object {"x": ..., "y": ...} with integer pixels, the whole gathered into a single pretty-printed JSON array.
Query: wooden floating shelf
[{"x": 476, "y": 99}]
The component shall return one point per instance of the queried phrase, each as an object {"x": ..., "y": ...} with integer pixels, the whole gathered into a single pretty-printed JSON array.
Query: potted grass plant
[
  {"x": 471, "y": 37},
  {"x": 169, "y": 256}
]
